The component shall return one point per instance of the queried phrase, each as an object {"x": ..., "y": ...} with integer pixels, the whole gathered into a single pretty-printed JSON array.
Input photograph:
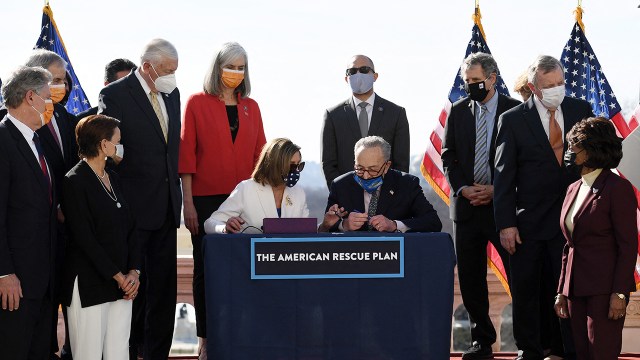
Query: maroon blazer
[{"x": 600, "y": 257}]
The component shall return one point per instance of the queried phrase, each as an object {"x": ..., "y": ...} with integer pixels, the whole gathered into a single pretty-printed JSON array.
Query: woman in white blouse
[{"x": 269, "y": 193}]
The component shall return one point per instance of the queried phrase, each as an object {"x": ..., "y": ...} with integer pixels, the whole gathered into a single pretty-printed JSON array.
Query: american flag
[
  {"x": 431, "y": 167},
  {"x": 584, "y": 79},
  {"x": 50, "y": 39}
]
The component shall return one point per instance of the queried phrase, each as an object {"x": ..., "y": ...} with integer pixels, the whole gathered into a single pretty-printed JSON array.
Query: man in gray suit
[{"x": 346, "y": 123}]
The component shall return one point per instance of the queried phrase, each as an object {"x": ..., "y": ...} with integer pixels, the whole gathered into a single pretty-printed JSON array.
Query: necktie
[
  {"x": 43, "y": 163},
  {"x": 480, "y": 168},
  {"x": 373, "y": 206},
  {"x": 363, "y": 119},
  {"x": 53, "y": 133},
  {"x": 156, "y": 107},
  {"x": 555, "y": 136}
]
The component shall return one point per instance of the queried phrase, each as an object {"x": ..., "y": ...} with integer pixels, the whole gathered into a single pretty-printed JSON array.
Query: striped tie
[
  {"x": 373, "y": 207},
  {"x": 480, "y": 168},
  {"x": 156, "y": 108}
]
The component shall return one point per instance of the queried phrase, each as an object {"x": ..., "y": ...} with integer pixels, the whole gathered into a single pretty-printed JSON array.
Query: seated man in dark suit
[
  {"x": 377, "y": 198},
  {"x": 114, "y": 70}
]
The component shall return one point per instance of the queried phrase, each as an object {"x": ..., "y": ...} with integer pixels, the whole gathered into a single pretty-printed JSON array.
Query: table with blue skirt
[{"x": 400, "y": 318}]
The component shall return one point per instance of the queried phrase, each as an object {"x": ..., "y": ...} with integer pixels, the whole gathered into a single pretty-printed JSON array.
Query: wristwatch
[{"x": 621, "y": 296}]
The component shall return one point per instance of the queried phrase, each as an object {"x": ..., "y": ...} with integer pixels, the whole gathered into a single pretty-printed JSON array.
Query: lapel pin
[
  {"x": 595, "y": 191},
  {"x": 380, "y": 108},
  {"x": 289, "y": 202},
  {"x": 245, "y": 108},
  {"x": 391, "y": 192}
]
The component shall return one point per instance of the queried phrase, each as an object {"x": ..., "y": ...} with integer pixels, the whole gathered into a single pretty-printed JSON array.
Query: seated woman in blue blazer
[{"x": 269, "y": 193}]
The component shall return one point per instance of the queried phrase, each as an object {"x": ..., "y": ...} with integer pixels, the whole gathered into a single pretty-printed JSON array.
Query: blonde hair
[
  {"x": 274, "y": 161},
  {"x": 522, "y": 86}
]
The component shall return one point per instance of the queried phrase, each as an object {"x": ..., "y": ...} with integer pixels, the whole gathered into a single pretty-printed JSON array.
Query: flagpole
[
  {"x": 578, "y": 11},
  {"x": 477, "y": 16}
]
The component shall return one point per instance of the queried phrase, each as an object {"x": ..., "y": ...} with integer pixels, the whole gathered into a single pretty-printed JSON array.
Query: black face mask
[
  {"x": 570, "y": 162},
  {"x": 477, "y": 91}
]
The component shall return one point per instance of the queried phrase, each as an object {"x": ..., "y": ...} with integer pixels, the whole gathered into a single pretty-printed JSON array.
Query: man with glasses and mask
[
  {"x": 530, "y": 182},
  {"x": 363, "y": 114},
  {"x": 374, "y": 197},
  {"x": 467, "y": 158},
  {"x": 28, "y": 228},
  {"x": 147, "y": 103}
]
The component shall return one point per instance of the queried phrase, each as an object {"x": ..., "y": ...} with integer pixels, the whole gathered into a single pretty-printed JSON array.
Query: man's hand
[
  {"x": 234, "y": 224},
  {"x": 60, "y": 215},
  {"x": 382, "y": 224},
  {"x": 11, "y": 292},
  {"x": 617, "y": 307},
  {"x": 508, "y": 238},
  {"x": 354, "y": 221},
  {"x": 478, "y": 194}
]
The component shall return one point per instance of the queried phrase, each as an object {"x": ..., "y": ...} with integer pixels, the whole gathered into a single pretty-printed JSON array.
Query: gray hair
[
  {"x": 545, "y": 64},
  {"x": 158, "y": 49},
  {"x": 21, "y": 81},
  {"x": 486, "y": 62},
  {"x": 372, "y": 142},
  {"x": 228, "y": 53},
  {"x": 45, "y": 58}
]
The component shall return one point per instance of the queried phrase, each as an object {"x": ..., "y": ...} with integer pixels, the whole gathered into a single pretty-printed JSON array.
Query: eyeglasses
[
  {"x": 296, "y": 167},
  {"x": 359, "y": 170},
  {"x": 361, "y": 69}
]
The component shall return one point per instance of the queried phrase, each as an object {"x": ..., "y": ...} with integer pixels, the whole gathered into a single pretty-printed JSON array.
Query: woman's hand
[
  {"x": 234, "y": 224},
  {"x": 130, "y": 285},
  {"x": 331, "y": 217},
  {"x": 561, "y": 308},
  {"x": 191, "y": 217},
  {"x": 617, "y": 307}
]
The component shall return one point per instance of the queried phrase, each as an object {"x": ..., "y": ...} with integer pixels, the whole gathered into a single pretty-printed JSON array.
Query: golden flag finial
[
  {"x": 578, "y": 12},
  {"x": 477, "y": 17}
]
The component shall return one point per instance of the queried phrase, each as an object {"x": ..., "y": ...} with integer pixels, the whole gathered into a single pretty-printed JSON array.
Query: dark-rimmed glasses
[
  {"x": 361, "y": 69},
  {"x": 296, "y": 167},
  {"x": 359, "y": 170}
]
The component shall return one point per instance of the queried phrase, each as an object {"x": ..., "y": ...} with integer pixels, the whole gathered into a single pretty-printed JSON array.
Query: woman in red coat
[
  {"x": 598, "y": 220},
  {"x": 222, "y": 136}
]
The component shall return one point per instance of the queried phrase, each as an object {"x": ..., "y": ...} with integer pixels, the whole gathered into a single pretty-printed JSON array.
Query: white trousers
[{"x": 100, "y": 331}]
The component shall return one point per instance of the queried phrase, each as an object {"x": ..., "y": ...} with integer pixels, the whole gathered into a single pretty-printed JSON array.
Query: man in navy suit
[
  {"x": 27, "y": 219},
  {"x": 365, "y": 113},
  {"x": 467, "y": 158},
  {"x": 374, "y": 197},
  {"x": 530, "y": 183},
  {"x": 147, "y": 103}
]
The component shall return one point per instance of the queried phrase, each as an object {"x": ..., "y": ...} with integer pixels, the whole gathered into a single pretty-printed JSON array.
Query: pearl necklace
[{"x": 114, "y": 197}]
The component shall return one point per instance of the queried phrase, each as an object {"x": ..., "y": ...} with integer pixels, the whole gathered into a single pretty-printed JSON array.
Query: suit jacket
[
  {"x": 341, "y": 132},
  {"x": 253, "y": 202},
  {"x": 58, "y": 162},
  {"x": 529, "y": 184},
  {"x": 149, "y": 170},
  {"x": 27, "y": 217},
  {"x": 88, "y": 112},
  {"x": 600, "y": 256},
  {"x": 207, "y": 150},
  {"x": 401, "y": 198},
  {"x": 459, "y": 150},
  {"x": 102, "y": 239}
]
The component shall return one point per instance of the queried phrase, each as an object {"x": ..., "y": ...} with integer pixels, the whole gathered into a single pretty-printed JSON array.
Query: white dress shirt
[
  {"x": 369, "y": 107},
  {"x": 545, "y": 116},
  {"x": 27, "y": 133}
]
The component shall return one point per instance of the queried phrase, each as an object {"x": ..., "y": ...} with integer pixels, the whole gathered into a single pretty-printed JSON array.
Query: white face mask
[
  {"x": 552, "y": 98},
  {"x": 119, "y": 154},
  {"x": 166, "y": 83}
]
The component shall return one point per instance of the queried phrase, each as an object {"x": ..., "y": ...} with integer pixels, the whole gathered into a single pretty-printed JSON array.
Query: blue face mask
[
  {"x": 361, "y": 83},
  {"x": 369, "y": 185}
]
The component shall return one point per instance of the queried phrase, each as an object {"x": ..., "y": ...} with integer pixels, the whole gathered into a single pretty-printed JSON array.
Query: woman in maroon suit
[
  {"x": 222, "y": 136},
  {"x": 598, "y": 220}
]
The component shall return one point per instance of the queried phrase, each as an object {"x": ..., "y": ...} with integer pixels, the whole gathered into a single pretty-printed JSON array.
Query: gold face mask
[
  {"x": 57, "y": 92},
  {"x": 232, "y": 78}
]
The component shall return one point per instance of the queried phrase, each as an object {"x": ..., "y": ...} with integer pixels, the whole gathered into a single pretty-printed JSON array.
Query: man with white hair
[
  {"x": 27, "y": 219},
  {"x": 147, "y": 103}
]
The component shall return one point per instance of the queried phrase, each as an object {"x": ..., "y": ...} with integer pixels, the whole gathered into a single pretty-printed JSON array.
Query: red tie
[
  {"x": 53, "y": 132},
  {"x": 555, "y": 136},
  {"x": 43, "y": 163}
]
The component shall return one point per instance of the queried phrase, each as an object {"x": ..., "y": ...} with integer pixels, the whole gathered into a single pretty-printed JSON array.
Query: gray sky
[{"x": 298, "y": 50}]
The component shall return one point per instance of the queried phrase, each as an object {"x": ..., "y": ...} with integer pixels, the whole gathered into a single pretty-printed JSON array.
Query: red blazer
[
  {"x": 600, "y": 257},
  {"x": 206, "y": 150}
]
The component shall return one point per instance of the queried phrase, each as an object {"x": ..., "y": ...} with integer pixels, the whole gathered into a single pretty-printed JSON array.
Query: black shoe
[{"x": 478, "y": 351}]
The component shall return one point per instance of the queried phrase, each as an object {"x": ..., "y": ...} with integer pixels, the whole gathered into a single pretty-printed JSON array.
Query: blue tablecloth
[{"x": 399, "y": 318}]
